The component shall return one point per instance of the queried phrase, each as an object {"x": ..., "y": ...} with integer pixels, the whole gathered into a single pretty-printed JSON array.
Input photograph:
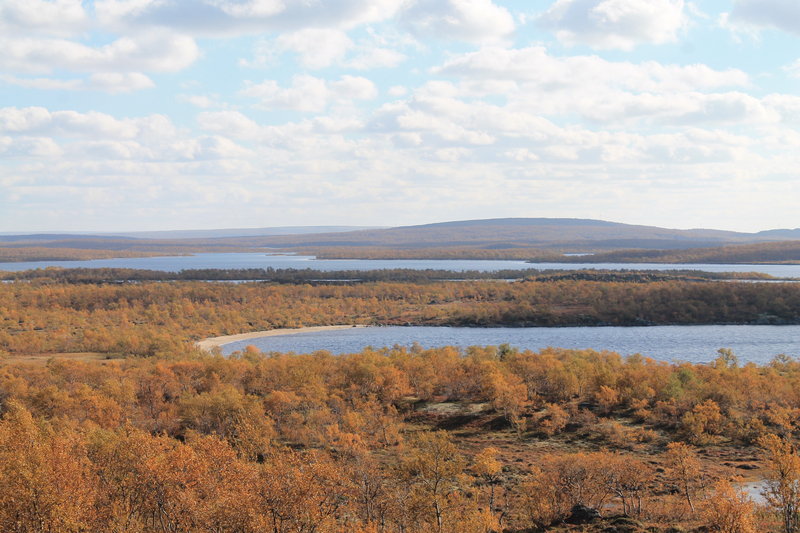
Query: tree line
[
  {"x": 149, "y": 318},
  {"x": 308, "y": 275}
]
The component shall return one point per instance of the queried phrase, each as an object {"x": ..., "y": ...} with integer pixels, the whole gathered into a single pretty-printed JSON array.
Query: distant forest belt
[
  {"x": 152, "y": 318},
  {"x": 38, "y": 253},
  {"x": 782, "y": 252}
]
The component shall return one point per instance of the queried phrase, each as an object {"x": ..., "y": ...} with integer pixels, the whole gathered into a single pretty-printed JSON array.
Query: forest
[
  {"x": 787, "y": 252},
  {"x": 10, "y": 254},
  {"x": 308, "y": 275},
  {"x": 150, "y": 434},
  {"x": 151, "y": 318},
  {"x": 767, "y": 252}
]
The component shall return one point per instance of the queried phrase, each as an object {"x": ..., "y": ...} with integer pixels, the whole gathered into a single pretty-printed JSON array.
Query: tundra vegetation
[{"x": 153, "y": 435}]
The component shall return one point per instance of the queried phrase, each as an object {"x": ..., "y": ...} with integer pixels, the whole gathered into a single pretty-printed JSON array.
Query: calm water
[
  {"x": 264, "y": 260},
  {"x": 758, "y": 344}
]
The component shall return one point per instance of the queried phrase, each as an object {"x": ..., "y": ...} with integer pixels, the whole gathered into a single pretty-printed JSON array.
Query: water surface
[
  {"x": 697, "y": 344},
  {"x": 265, "y": 260}
]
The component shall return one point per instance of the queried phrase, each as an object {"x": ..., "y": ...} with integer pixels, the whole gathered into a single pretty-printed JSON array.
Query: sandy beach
[{"x": 214, "y": 342}]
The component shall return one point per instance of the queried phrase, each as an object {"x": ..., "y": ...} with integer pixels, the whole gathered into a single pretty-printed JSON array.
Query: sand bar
[{"x": 214, "y": 342}]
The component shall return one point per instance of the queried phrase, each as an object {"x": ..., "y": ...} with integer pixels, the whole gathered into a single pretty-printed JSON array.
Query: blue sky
[{"x": 176, "y": 114}]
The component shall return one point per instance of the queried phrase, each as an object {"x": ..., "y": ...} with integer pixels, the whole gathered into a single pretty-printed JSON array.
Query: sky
[{"x": 173, "y": 114}]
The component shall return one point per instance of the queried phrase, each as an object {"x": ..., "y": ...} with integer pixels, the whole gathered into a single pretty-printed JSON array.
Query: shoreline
[{"x": 210, "y": 343}]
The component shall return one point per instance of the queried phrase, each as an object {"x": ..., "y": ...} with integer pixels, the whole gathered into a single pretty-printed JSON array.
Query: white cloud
[
  {"x": 92, "y": 161},
  {"x": 317, "y": 47},
  {"x": 203, "y": 148},
  {"x": 528, "y": 130},
  {"x": 369, "y": 58},
  {"x": 441, "y": 122},
  {"x": 57, "y": 17},
  {"x": 310, "y": 94},
  {"x": 98, "y": 150},
  {"x": 522, "y": 155},
  {"x": 323, "y": 47},
  {"x": 307, "y": 94},
  {"x": 207, "y": 148},
  {"x": 398, "y": 90},
  {"x": 465, "y": 20},
  {"x": 110, "y": 82},
  {"x": 44, "y": 83},
  {"x": 29, "y": 147},
  {"x": 618, "y": 24},
  {"x": 152, "y": 52},
  {"x": 229, "y": 123},
  {"x": 451, "y": 155},
  {"x": 731, "y": 108},
  {"x": 786, "y": 105},
  {"x": 780, "y": 14},
  {"x": 601, "y": 91},
  {"x": 197, "y": 100},
  {"x": 534, "y": 66},
  {"x": 506, "y": 155},
  {"x": 793, "y": 68},
  {"x": 354, "y": 87},
  {"x": 73, "y": 124},
  {"x": 250, "y": 8},
  {"x": 118, "y": 82},
  {"x": 338, "y": 124},
  {"x": 265, "y": 54},
  {"x": 237, "y": 17},
  {"x": 16, "y": 120}
]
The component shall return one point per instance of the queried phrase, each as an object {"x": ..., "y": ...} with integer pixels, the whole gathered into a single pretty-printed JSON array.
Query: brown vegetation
[
  {"x": 768, "y": 252},
  {"x": 392, "y": 441},
  {"x": 39, "y": 253},
  {"x": 350, "y": 443},
  {"x": 787, "y": 252}
]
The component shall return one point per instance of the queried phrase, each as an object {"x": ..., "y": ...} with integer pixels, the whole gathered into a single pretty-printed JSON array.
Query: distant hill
[
  {"x": 240, "y": 232},
  {"x": 180, "y": 234},
  {"x": 491, "y": 238},
  {"x": 47, "y": 237},
  {"x": 782, "y": 234},
  {"x": 562, "y": 233}
]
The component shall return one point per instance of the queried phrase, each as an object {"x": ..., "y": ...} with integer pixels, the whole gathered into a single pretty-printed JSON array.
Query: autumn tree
[
  {"x": 629, "y": 479},
  {"x": 782, "y": 489},
  {"x": 433, "y": 465},
  {"x": 729, "y": 510},
  {"x": 703, "y": 424},
  {"x": 684, "y": 470},
  {"x": 509, "y": 395},
  {"x": 607, "y": 398},
  {"x": 371, "y": 490},
  {"x": 537, "y": 502},
  {"x": 46, "y": 481},
  {"x": 299, "y": 493},
  {"x": 552, "y": 420},
  {"x": 559, "y": 483},
  {"x": 489, "y": 469}
]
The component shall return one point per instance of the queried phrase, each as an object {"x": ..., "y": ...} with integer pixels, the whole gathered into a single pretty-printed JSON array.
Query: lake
[
  {"x": 698, "y": 344},
  {"x": 265, "y": 260}
]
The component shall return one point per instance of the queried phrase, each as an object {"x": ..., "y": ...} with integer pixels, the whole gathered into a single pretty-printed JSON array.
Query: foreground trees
[
  {"x": 47, "y": 482},
  {"x": 400, "y": 440}
]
